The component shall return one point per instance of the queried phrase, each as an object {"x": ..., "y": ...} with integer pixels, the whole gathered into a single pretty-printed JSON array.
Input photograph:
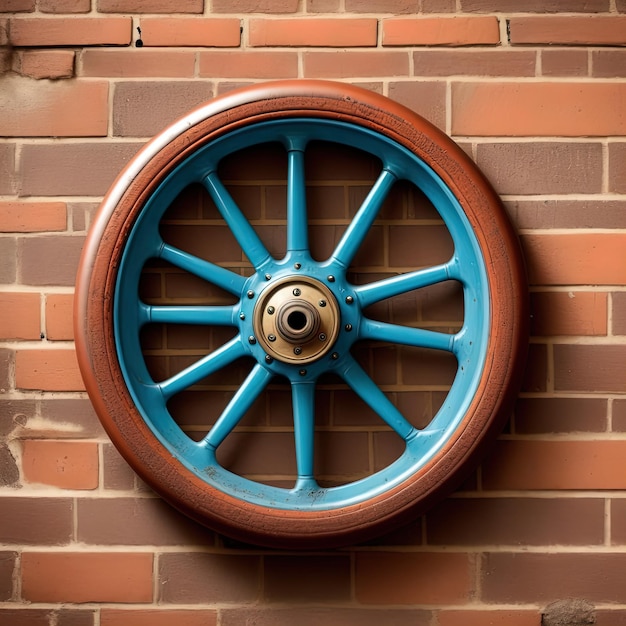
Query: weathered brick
[
  {"x": 20, "y": 316},
  {"x": 617, "y": 171},
  {"x": 15, "y": 6},
  {"x": 21, "y": 521},
  {"x": 520, "y": 578},
  {"x": 144, "y": 108},
  {"x": 87, "y": 577},
  {"x": 248, "y": 64},
  {"x": 142, "y": 63},
  {"x": 9, "y": 471},
  {"x": 493, "y": 617},
  {"x": 564, "y": 63},
  {"x": 150, "y": 6},
  {"x": 619, "y": 313},
  {"x": 62, "y": 109},
  {"x": 440, "y": 31},
  {"x": 158, "y": 617},
  {"x": 427, "y": 98},
  {"x": 608, "y": 63},
  {"x": 535, "y": 464},
  {"x": 68, "y": 169},
  {"x": 64, "y": 464},
  {"x": 30, "y": 217},
  {"x": 191, "y": 31},
  {"x": 7, "y": 168},
  {"x": 549, "y": 167},
  {"x": 382, "y": 6},
  {"x": 116, "y": 473},
  {"x": 49, "y": 260},
  {"x": 413, "y": 578},
  {"x": 569, "y": 313},
  {"x": 49, "y": 370},
  {"x": 516, "y": 521},
  {"x": 544, "y": 109},
  {"x": 64, "y": 6},
  {"x": 77, "y": 31},
  {"x": 51, "y": 64},
  {"x": 309, "y": 31},
  {"x": 535, "y": 6},
  {"x": 7, "y": 566},
  {"x": 589, "y": 368},
  {"x": 560, "y": 415},
  {"x": 254, "y": 6},
  {"x": 59, "y": 316},
  {"x": 352, "y": 63},
  {"x": 536, "y": 371},
  {"x": 571, "y": 30},
  {"x": 7, "y": 358},
  {"x": 325, "y": 579},
  {"x": 470, "y": 62},
  {"x": 136, "y": 521},
  {"x": 193, "y": 578},
  {"x": 574, "y": 259}
]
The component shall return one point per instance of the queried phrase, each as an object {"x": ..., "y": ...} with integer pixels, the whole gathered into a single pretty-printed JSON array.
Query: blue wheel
[{"x": 295, "y": 318}]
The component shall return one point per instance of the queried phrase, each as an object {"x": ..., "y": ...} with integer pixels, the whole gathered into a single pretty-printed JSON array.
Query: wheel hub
[{"x": 297, "y": 320}]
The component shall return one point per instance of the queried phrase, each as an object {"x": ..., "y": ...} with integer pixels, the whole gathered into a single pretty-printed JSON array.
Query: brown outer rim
[{"x": 95, "y": 343}]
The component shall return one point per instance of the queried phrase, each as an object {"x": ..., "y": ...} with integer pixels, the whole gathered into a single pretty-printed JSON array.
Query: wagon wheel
[{"x": 296, "y": 319}]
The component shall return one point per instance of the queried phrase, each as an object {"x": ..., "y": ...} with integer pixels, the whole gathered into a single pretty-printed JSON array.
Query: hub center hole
[{"x": 297, "y": 320}]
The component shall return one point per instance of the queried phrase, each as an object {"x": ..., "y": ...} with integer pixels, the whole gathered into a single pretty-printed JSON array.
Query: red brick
[
  {"x": 139, "y": 63},
  {"x": 254, "y": 6},
  {"x": 564, "y": 63},
  {"x": 352, "y": 63},
  {"x": 248, "y": 64},
  {"x": 427, "y": 98},
  {"x": 592, "y": 30},
  {"x": 535, "y": 6},
  {"x": 474, "y": 62},
  {"x": 144, "y": 108},
  {"x": 21, "y": 521},
  {"x": 51, "y": 64},
  {"x": 67, "y": 169},
  {"x": 534, "y": 464},
  {"x": 544, "y": 109},
  {"x": 324, "y": 579},
  {"x": 136, "y": 521},
  {"x": 441, "y": 31},
  {"x": 59, "y": 307},
  {"x": 619, "y": 313},
  {"x": 49, "y": 260},
  {"x": 20, "y": 315},
  {"x": 157, "y": 617},
  {"x": 608, "y": 63},
  {"x": 413, "y": 578},
  {"x": 64, "y": 6},
  {"x": 48, "y": 370},
  {"x": 589, "y": 368},
  {"x": 617, "y": 171},
  {"x": 31, "y": 217},
  {"x": 190, "y": 31},
  {"x": 7, "y": 566},
  {"x": 539, "y": 578},
  {"x": 322, "y": 6},
  {"x": 11, "y": 6},
  {"x": 569, "y": 313},
  {"x": 77, "y": 31},
  {"x": 208, "y": 578},
  {"x": 560, "y": 415},
  {"x": 6, "y": 366},
  {"x": 312, "y": 31},
  {"x": 86, "y": 577},
  {"x": 491, "y": 617},
  {"x": 62, "y": 109},
  {"x": 575, "y": 259},
  {"x": 516, "y": 521},
  {"x": 549, "y": 167},
  {"x": 7, "y": 168},
  {"x": 383, "y": 6},
  {"x": 64, "y": 464},
  {"x": 150, "y": 6}
]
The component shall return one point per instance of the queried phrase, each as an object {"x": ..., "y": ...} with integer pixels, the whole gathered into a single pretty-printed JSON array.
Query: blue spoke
[
  {"x": 245, "y": 235},
  {"x": 200, "y": 315},
  {"x": 303, "y": 396},
  {"x": 245, "y": 397},
  {"x": 397, "y": 285},
  {"x": 297, "y": 228},
  {"x": 371, "y": 394},
  {"x": 223, "y": 356},
  {"x": 214, "y": 274},
  {"x": 406, "y": 336},
  {"x": 359, "y": 227}
]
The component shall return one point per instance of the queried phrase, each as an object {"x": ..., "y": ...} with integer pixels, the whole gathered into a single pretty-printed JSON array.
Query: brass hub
[{"x": 297, "y": 320}]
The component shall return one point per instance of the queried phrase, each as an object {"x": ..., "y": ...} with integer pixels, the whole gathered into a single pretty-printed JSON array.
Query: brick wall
[{"x": 534, "y": 90}]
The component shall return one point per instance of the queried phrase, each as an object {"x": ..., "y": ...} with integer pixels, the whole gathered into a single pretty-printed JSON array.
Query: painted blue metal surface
[{"x": 468, "y": 346}]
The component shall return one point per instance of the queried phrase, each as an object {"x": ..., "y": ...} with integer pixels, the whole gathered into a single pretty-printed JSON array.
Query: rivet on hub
[
  {"x": 322, "y": 303},
  {"x": 271, "y": 337},
  {"x": 270, "y": 310},
  {"x": 334, "y": 356},
  {"x": 268, "y": 277},
  {"x": 250, "y": 294},
  {"x": 349, "y": 299},
  {"x": 348, "y": 327},
  {"x": 297, "y": 350},
  {"x": 302, "y": 372},
  {"x": 251, "y": 340},
  {"x": 268, "y": 358},
  {"x": 330, "y": 278},
  {"x": 296, "y": 292},
  {"x": 322, "y": 337},
  {"x": 297, "y": 266},
  {"x": 242, "y": 316}
]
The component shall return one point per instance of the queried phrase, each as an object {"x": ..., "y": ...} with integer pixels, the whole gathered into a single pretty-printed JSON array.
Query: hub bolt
[
  {"x": 296, "y": 292},
  {"x": 251, "y": 340},
  {"x": 297, "y": 350},
  {"x": 250, "y": 294}
]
